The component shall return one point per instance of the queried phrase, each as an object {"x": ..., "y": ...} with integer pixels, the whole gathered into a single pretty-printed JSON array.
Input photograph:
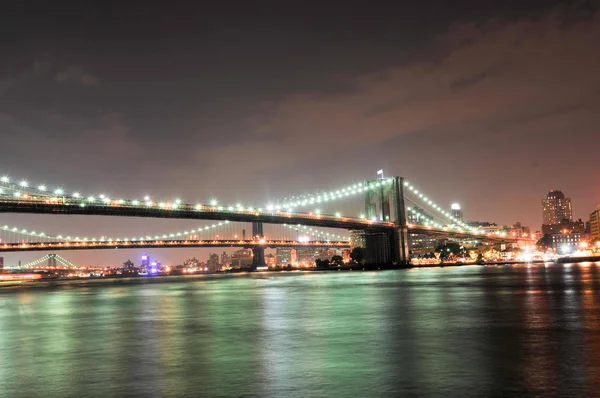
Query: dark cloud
[{"x": 75, "y": 74}]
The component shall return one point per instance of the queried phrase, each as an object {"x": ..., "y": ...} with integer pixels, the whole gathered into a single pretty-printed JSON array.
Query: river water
[{"x": 460, "y": 331}]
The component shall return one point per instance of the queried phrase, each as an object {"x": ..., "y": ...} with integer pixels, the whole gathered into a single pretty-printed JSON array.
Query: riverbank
[{"x": 142, "y": 280}]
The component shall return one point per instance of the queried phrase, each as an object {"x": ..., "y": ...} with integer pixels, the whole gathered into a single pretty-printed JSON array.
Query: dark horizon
[{"x": 491, "y": 106}]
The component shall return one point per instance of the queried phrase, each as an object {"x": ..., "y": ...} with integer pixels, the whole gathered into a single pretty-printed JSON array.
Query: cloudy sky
[{"x": 490, "y": 104}]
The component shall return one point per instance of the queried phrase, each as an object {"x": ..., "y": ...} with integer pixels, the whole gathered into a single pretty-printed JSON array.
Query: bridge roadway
[
  {"x": 448, "y": 233},
  {"x": 141, "y": 244},
  {"x": 71, "y": 206}
]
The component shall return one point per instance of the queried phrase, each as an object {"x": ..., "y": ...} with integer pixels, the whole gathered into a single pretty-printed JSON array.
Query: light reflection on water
[{"x": 476, "y": 331}]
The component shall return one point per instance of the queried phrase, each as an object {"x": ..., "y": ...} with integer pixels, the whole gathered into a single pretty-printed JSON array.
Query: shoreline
[{"x": 19, "y": 285}]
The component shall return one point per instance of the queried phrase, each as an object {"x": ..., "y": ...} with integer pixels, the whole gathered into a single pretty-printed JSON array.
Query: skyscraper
[
  {"x": 456, "y": 211},
  {"x": 557, "y": 208},
  {"x": 595, "y": 223}
]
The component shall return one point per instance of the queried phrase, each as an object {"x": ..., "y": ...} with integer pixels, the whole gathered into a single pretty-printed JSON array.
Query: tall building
[
  {"x": 145, "y": 263},
  {"x": 456, "y": 211},
  {"x": 557, "y": 208},
  {"x": 595, "y": 223},
  {"x": 213, "y": 262}
]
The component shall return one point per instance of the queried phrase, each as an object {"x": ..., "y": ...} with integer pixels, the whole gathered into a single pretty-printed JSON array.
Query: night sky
[{"x": 490, "y": 105}]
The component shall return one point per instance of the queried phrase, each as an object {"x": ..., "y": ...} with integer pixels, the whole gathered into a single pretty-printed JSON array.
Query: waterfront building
[
  {"x": 241, "y": 258},
  {"x": 595, "y": 223},
  {"x": 564, "y": 227},
  {"x": 306, "y": 255},
  {"x": 556, "y": 208},
  {"x": 145, "y": 263},
  {"x": 270, "y": 260},
  {"x": 566, "y": 242},
  {"x": 346, "y": 255},
  {"x": 520, "y": 231},
  {"x": 285, "y": 255},
  {"x": 213, "y": 262}
]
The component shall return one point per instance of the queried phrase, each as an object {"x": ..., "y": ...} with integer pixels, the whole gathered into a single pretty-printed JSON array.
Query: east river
[{"x": 456, "y": 331}]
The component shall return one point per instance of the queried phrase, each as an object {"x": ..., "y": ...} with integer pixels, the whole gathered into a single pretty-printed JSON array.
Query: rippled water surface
[{"x": 464, "y": 331}]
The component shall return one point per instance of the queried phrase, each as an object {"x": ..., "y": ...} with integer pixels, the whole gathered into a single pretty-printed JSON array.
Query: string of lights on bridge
[
  {"x": 24, "y": 188},
  {"x": 457, "y": 223},
  {"x": 199, "y": 230},
  {"x": 25, "y": 232},
  {"x": 326, "y": 196}
]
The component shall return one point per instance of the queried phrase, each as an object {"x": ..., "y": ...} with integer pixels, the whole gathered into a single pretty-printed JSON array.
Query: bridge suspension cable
[
  {"x": 24, "y": 190},
  {"x": 423, "y": 198},
  {"x": 191, "y": 233}
]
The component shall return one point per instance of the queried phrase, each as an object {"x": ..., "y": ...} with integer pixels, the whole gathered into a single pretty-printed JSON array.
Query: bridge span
[
  {"x": 382, "y": 230},
  {"x": 249, "y": 244}
]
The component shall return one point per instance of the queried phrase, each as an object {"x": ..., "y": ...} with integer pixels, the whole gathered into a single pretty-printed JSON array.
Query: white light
[
  {"x": 5, "y": 179},
  {"x": 213, "y": 202},
  {"x": 24, "y": 184},
  {"x": 42, "y": 188},
  {"x": 76, "y": 195},
  {"x": 58, "y": 191},
  {"x": 455, "y": 206}
]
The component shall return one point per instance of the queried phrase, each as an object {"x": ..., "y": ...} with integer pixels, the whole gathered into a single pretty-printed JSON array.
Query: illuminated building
[
  {"x": 241, "y": 258},
  {"x": 595, "y": 223},
  {"x": 564, "y": 227},
  {"x": 145, "y": 263},
  {"x": 456, "y": 211},
  {"x": 519, "y": 231},
  {"x": 357, "y": 238},
  {"x": 423, "y": 242},
  {"x": 270, "y": 260},
  {"x": 153, "y": 268},
  {"x": 556, "y": 208},
  {"x": 346, "y": 254},
  {"x": 306, "y": 254},
  {"x": 285, "y": 255},
  {"x": 566, "y": 243},
  {"x": 213, "y": 262}
]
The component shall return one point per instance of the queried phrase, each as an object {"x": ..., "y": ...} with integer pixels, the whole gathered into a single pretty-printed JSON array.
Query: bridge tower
[
  {"x": 258, "y": 252},
  {"x": 51, "y": 260},
  {"x": 385, "y": 203}
]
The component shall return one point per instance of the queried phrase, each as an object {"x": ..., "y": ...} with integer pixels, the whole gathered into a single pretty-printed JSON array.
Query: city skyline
[{"x": 511, "y": 87}]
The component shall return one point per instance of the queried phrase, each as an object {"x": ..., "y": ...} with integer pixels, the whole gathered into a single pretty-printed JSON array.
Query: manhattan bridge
[{"x": 382, "y": 228}]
